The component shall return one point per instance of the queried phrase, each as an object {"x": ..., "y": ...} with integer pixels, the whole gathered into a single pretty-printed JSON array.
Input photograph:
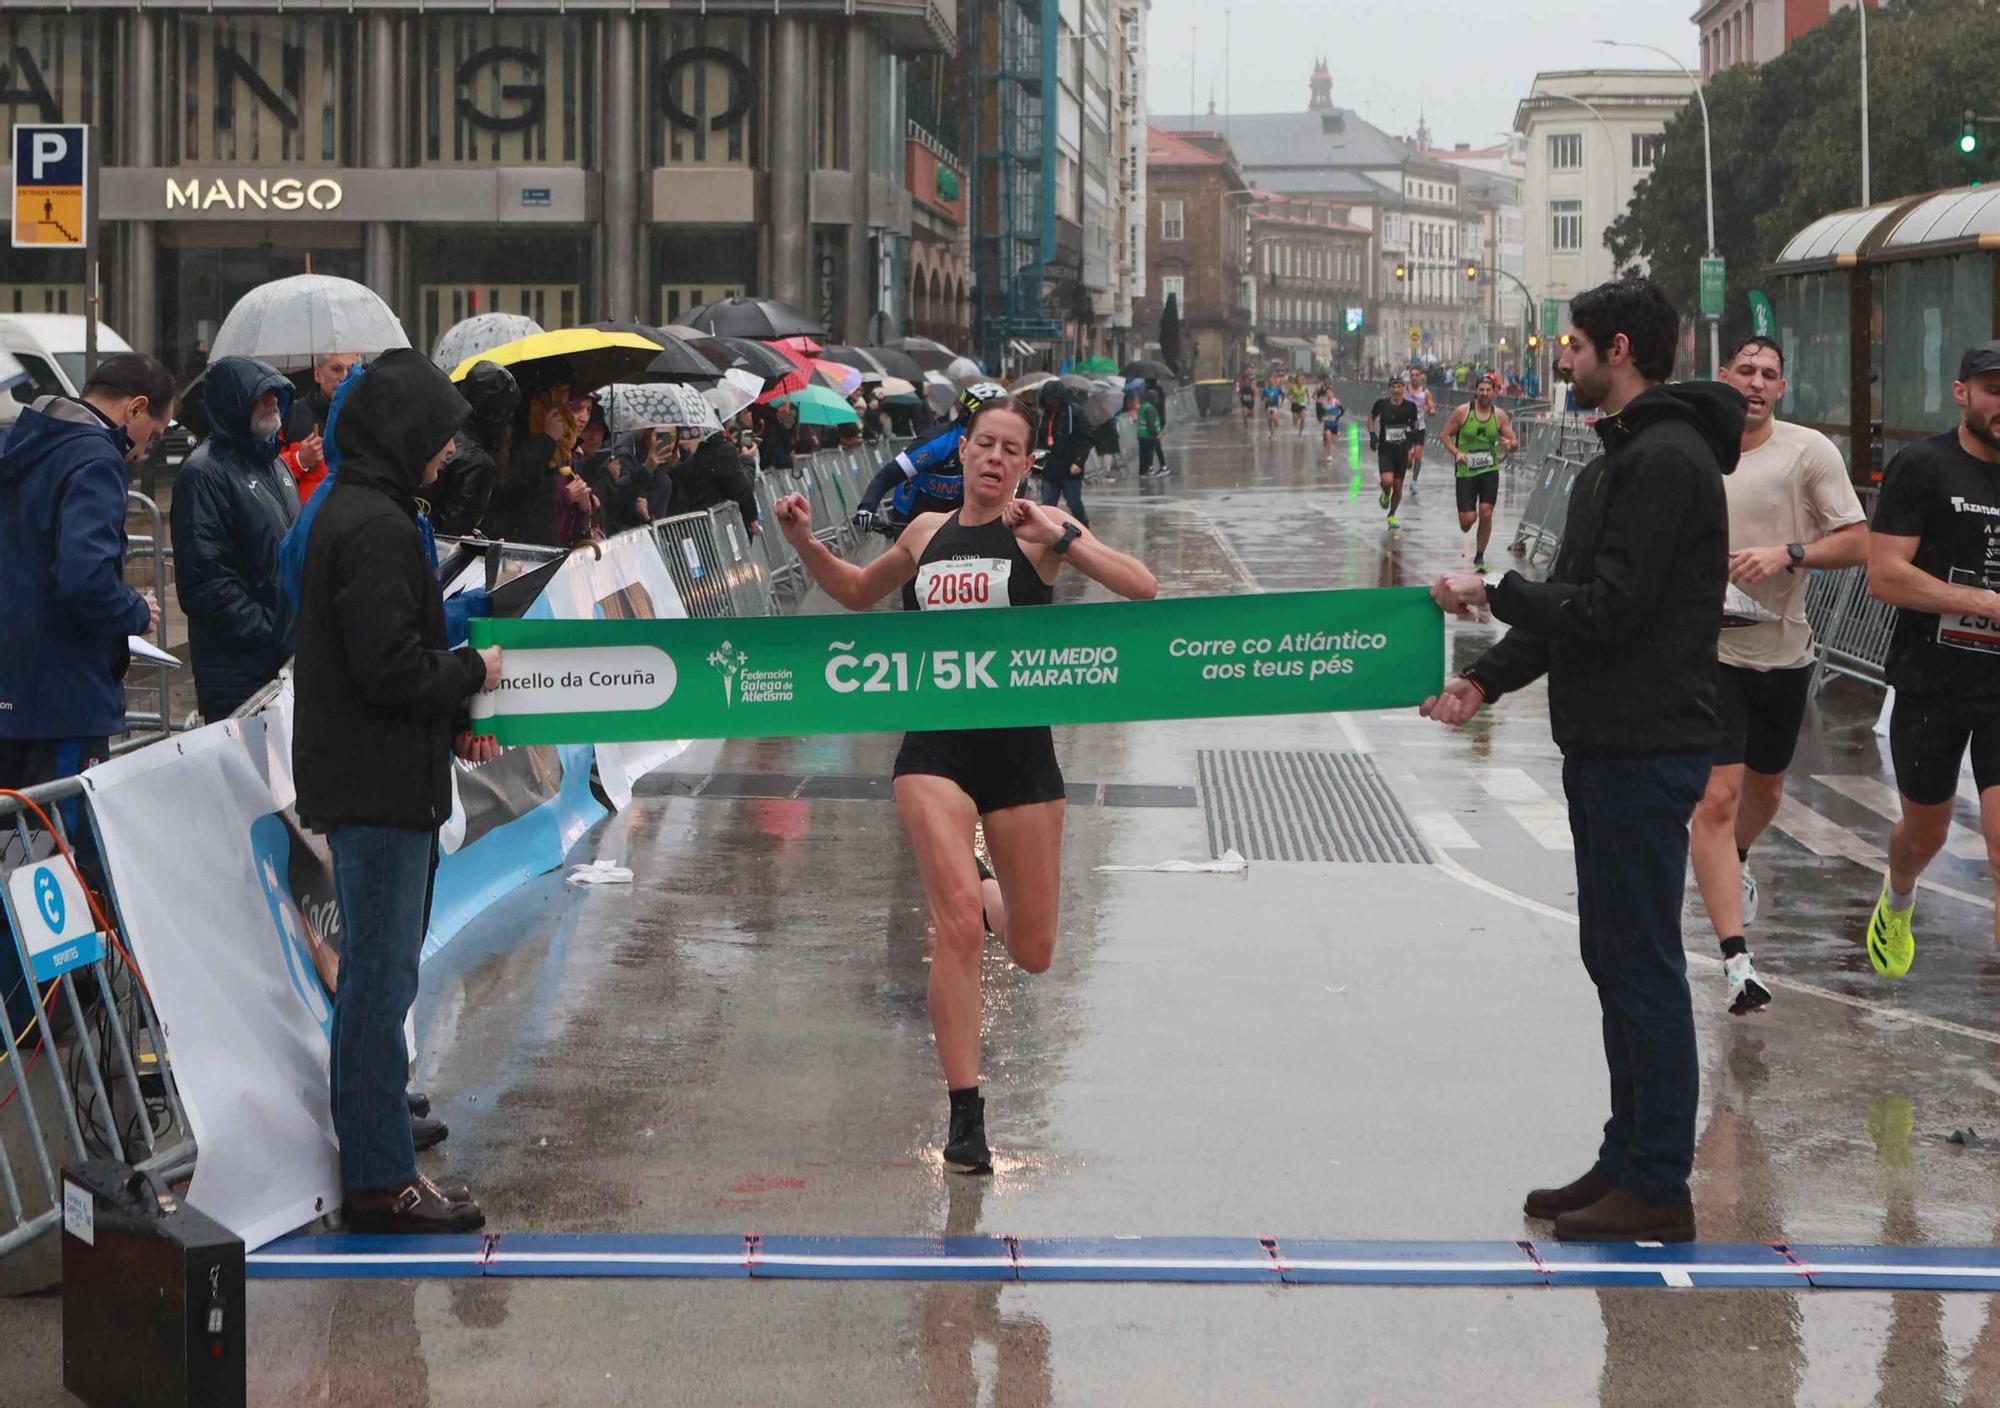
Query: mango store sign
[{"x": 282, "y": 193}]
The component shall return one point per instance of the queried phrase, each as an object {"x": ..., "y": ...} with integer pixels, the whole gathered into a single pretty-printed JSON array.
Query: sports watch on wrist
[
  {"x": 1798, "y": 555},
  {"x": 1070, "y": 534}
]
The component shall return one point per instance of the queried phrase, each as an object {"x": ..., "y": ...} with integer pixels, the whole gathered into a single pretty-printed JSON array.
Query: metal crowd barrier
[
  {"x": 743, "y": 568},
  {"x": 85, "y": 1075},
  {"x": 695, "y": 562},
  {"x": 1851, "y": 629},
  {"x": 1544, "y": 516},
  {"x": 143, "y": 726}
]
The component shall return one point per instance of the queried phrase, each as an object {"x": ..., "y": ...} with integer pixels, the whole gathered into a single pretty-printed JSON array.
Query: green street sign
[
  {"x": 879, "y": 672},
  {"x": 1551, "y": 314},
  {"x": 1714, "y": 282}
]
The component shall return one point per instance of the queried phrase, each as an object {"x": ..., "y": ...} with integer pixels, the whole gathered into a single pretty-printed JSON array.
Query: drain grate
[{"x": 1309, "y": 806}]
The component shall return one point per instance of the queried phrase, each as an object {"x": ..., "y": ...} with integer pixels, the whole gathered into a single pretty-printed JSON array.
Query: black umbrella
[
  {"x": 1146, "y": 369},
  {"x": 856, "y": 358},
  {"x": 898, "y": 363},
  {"x": 931, "y": 356},
  {"x": 749, "y": 354},
  {"x": 681, "y": 361},
  {"x": 763, "y": 318}
]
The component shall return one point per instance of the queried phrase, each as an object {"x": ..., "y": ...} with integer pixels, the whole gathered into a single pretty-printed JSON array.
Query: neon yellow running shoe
[
  {"x": 1392, "y": 521},
  {"x": 1892, "y": 947}
]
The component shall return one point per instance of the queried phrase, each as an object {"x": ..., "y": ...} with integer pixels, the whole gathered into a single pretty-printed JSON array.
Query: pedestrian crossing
[{"x": 1500, "y": 811}]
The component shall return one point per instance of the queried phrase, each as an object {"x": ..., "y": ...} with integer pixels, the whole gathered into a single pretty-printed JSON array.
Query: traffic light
[
  {"x": 1402, "y": 272},
  {"x": 1968, "y": 133},
  {"x": 1354, "y": 320},
  {"x": 1472, "y": 271},
  {"x": 1534, "y": 341}
]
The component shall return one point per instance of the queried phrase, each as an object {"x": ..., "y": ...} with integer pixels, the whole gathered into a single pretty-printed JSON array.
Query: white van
[{"x": 49, "y": 348}]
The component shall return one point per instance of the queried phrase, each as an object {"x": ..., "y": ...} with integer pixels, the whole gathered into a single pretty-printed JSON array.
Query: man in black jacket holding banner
[
  {"x": 380, "y": 709},
  {"x": 1625, "y": 628}
]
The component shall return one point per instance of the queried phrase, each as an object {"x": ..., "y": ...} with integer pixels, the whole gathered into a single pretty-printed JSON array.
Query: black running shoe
[
  {"x": 428, "y": 1133},
  {"x": 965, "y": 1148}
]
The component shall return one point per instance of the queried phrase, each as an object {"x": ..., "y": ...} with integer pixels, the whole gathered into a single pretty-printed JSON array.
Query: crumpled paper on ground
[
  {"x": 600, "y": 872},
  {"x": 1229, "y": 863}
]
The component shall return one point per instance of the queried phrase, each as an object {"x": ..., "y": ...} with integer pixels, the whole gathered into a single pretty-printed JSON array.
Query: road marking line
[
  {"x": 1826, "y": 838},
  {"x": 1440, "y": 828},
  {"x": 1883, "y": 800},
  {"x": 1544, "y": 818}
]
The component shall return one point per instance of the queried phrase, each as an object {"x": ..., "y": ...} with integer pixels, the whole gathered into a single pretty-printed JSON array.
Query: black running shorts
[
  {"x": 1762, "y": 712},
  {"x": 997, "y": 767},
  {"x": 1928, "y": 736},
  {"x": 1477, "y": 490}
]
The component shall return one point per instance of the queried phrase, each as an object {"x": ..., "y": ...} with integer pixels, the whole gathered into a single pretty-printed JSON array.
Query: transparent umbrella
[
  {"x": 482, "y": 332},
  {"x": 288, "y": 322},
  {"x": 635, "y": 405}
]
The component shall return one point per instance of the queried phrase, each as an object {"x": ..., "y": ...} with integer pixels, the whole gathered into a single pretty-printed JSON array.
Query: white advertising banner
[
  {"x": 229, "y": 909},
  {"x": 213, "y": 920}
]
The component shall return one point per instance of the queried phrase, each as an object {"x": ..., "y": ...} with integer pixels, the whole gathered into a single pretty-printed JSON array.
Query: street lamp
[{"x": 1708, "y": 178}]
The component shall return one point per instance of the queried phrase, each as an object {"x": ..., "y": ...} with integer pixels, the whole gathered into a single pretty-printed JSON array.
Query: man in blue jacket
[
  {"x": 63, "y": 480},
  {"x": 233, "y": 502}
]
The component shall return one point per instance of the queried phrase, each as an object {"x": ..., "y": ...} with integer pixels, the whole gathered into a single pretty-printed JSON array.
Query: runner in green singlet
[{"x": 1477, "y": 434}]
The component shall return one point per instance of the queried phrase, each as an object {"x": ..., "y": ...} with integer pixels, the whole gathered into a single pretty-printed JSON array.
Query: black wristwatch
[
  {"x": 1069, "y": 535},
  {"x": 1798, "y": 556}
]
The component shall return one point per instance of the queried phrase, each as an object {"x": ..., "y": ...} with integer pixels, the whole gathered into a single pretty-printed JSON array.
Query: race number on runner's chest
[
  {"x": 1969, "y": 632},
  {"x": 953, "y": 584}
]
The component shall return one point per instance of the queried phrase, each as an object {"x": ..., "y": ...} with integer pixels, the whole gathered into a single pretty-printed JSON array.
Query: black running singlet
[{"x": 974, "y": 567}]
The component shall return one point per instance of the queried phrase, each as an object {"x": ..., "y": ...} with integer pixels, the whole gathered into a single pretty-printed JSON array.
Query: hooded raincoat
[
  {"x": 379, "y": 694},
  {"x": 68, "y": 610},
  {"x": 233, "y": 502}
]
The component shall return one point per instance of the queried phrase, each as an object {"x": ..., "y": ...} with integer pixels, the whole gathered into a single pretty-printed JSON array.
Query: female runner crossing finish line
[{"x": 995, "y": 550}]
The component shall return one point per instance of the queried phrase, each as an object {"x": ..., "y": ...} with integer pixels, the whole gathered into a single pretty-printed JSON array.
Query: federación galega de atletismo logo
[{"x": 728, "y": 662}]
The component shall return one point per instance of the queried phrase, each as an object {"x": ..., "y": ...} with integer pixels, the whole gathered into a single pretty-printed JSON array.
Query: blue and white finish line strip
[{"x": 1267, "y": 1261}]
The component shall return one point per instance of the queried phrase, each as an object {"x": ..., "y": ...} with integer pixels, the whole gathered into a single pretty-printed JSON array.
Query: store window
[
  {"x": 693, "y": 265},
  {"x": 1566, "y": 225},
  {"x": 705, "y": 91},
  {"x": 1565, "y": 151},
  {"x": 459, "y": 271},
  {"x": 259, "y": 90},
  {"x": 504, "y": 92}
]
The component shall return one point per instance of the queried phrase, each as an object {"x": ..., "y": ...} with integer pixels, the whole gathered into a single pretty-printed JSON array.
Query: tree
[
  {"x": 1170, "y": 332},
  {"x": 1787, "y": 143}
]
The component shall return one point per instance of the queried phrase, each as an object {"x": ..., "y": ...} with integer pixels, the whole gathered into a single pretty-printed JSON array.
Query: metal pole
[
  {"x": 1708, "y": 178},
  {"x": 1862, "y": 8},
  {"x": 92, "y": 312}
]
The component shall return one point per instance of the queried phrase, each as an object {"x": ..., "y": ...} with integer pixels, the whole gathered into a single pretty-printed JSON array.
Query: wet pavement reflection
[{"x": 738, "y": 1042}]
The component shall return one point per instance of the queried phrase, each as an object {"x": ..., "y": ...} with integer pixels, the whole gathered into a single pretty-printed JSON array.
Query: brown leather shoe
[
  {"x": 1620, "y": 1217},
  {"x": 1571, "y": 1197},
  {"x": 417, "y": 1208}
]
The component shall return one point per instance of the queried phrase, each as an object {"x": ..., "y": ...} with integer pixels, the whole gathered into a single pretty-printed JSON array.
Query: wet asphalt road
[{"x": 738, "y": 1043}]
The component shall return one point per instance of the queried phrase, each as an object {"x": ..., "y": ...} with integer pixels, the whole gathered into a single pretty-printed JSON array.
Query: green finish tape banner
[{"x": 886, "y": 671}]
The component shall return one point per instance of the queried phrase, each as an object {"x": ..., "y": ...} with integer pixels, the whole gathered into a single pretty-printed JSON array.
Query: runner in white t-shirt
[{"x": 1792, "y": 508}]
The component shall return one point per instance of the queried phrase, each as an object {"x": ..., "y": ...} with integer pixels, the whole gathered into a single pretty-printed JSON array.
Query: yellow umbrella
[{"x": 595, "y": 356}]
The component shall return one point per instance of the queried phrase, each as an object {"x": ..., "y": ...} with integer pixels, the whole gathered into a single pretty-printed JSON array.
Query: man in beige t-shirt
[{"x": 1792, "y": 508}]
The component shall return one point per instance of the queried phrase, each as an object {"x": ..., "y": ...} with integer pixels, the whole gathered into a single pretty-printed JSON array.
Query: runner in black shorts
[
  {"x": 1792, "y": 509},
  {"x": 1935, "y": 556},
  {"x": 1391, "y": 424},
  {"x": 995, "y": 550}
]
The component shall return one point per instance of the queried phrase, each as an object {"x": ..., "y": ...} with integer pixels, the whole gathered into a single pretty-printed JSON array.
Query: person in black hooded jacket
[
  {"x": 379, "y": 712},
  {"x": 1625, "y": 628},
  {"x": 233, "y": 501},
  {"x": 465, "y": 485}
]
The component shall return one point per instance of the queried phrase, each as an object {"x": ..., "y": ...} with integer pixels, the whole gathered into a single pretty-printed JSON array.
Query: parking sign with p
[{"x": 49, "y": 166}]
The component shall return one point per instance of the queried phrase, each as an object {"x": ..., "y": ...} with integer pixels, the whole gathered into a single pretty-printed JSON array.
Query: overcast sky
[{"x": 1466, "y": 65}]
